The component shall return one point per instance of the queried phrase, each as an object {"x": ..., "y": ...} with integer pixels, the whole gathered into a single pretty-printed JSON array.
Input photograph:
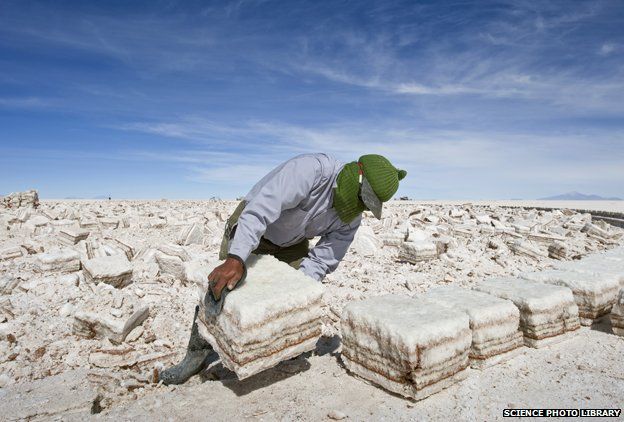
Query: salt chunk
[
  {"x": 11, "y": 253},
  {"x": 72, "y": 236},
  {"x": 92, "y": 324},
  {"x": 113, "y": 270},
  {"x": 191, "y": 235},
  {"x": 64, "y": 260},
  {"x": 414, "y": 252}
]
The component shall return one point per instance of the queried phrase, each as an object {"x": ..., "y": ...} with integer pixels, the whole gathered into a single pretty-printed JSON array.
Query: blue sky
[{"x": 479, "y": 100}]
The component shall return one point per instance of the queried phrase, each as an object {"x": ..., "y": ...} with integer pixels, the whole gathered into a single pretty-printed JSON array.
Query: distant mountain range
[{"x": 577, "y": 196}]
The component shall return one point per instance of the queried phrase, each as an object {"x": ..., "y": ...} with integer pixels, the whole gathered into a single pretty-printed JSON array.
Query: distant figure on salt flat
[{"x": 307, "y": 196}]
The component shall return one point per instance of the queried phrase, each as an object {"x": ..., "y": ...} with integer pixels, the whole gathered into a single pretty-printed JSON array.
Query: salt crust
[
  {"x": 617, "y": 315},
  {"x": 275, "y": 315},
  {"x": 406, "y": 345},
  {"x": 546, "y": 310},
  {"x": 594, "y": 294},
  {"x": 114, "y": 270},
  {"x": 494, "y": 321}
]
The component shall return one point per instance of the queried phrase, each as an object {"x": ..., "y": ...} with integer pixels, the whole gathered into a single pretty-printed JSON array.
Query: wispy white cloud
[{"x": 607, "y": 48}]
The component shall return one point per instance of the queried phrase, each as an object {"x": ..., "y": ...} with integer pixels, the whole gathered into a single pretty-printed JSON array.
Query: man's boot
[{"x": 194, "y": 361}]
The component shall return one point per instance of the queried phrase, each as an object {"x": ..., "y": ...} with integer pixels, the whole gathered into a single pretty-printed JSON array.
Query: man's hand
[{"x": 226, "y": 274}]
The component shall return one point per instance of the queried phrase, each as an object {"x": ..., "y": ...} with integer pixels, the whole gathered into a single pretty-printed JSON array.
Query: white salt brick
[
  {"x": 546, "y": 311},
  {"x": 411, "y": 346},
  {"x": 275, "y": 315},
  {"x": 494, "y": 323},
  {"x": 113, "y": 270},
  {"x": 64, "y": 260},
  {"x": 594, "y": 294}
]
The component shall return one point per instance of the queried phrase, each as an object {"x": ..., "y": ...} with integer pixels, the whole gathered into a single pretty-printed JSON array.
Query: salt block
[
  {"x": 410, "y": 346},
  {"x": 594, "y": 294},
  {"x": 102, "y": 324},
  {"x": 191, "y": 235},
  {"x": 617, "y": 315},
  {"x": 114, "y": 270},
  {"x": 274, "y": 316},
  {"x": 418, "y": 251},
  {"x": 72, "y": 236},
  {"x": 11, "y": 253},
  {"x": 64, "y": 260},
  {"x": 546, "y": 311},
  {"x": 494, "y": 323}
]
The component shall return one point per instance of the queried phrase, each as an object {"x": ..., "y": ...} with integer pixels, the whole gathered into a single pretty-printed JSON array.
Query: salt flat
[{"x": 473, "y": 242}]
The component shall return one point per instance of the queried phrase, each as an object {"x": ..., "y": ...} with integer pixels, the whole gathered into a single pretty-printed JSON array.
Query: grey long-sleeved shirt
[{"x": 293, "y": 202}]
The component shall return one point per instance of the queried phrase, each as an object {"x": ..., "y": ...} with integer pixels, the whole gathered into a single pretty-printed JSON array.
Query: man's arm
[
  {"x": 329, "y": 251},
  {"x": 284, "y": 188}
]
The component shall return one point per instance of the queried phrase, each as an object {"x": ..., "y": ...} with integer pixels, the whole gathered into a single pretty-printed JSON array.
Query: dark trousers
[{"x": 292, "y": 255}]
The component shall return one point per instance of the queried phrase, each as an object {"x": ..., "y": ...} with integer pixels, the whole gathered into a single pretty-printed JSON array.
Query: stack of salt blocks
[
  {"x": 410, "y": 346},
  {"x": 275, "y": 315}
]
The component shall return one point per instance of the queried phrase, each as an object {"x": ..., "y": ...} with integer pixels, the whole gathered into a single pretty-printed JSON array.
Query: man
[{"x": 307, "y": 196}]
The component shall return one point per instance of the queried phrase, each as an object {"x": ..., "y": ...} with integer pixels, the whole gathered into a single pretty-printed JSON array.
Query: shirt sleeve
[
  {"x": 329, "y": 251},
  {"x": 283, "y": 188}
]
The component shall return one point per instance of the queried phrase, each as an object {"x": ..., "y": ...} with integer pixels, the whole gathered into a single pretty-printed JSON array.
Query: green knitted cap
[{"x": 380, "y": 173}]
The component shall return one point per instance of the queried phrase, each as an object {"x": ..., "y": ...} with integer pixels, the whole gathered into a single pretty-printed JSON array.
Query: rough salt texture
[
  {"x": 113, "y": 270},
  {"x": 594, "y": 294},
  {"x": 275, "y": 315},
  {"x": 617, "y": 315},
  {"x": 410, "y": 346},
  {"x": 546, "y": 310},
  {"x": 494, "y": 322}
]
